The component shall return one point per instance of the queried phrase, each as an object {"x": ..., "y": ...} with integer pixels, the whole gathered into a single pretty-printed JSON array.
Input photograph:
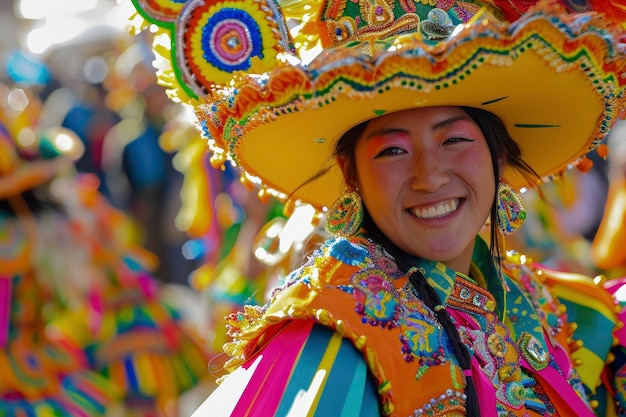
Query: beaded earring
[
  {"x": 511, "y": 211},
  {"x": 345, "y": 215}
]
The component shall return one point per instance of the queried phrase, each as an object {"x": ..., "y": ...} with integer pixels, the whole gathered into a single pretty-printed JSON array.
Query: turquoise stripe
[
  {"x": 370, "y": 406},
  {"x": 345, "y": 384},
  {"x": 357, "y": 392},
  {"x": 306, "y": 367},
  {"x": 82, "y": 398},
  {"x": 527, "y": 318},
  {"x": 594, "y": 329}
]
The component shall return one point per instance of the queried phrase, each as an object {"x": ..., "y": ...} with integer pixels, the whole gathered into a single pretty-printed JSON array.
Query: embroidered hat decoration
[{"x": 275, "y": 84}]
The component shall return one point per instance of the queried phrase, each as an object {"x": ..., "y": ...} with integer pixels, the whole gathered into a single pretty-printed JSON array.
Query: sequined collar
[{"x": 442, "y": 278}]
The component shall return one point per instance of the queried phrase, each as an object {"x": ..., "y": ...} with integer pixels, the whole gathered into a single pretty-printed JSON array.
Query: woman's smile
[{"x": 435, "y": 211}]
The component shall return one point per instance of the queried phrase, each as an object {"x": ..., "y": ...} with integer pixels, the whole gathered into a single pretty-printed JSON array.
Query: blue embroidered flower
[{"x": 376, "y": 298}]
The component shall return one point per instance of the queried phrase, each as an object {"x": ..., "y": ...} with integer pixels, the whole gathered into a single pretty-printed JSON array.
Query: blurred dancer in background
[{"x": 84, "y": 321}]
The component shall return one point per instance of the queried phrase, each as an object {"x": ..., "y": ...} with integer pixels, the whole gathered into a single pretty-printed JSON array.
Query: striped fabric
[
  {"x": 39, "y": 387},
  {"x": 594, "y": 311},
  {"x": 312, "y": 372}
]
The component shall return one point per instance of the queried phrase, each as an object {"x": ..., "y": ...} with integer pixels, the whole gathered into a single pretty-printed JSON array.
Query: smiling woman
[
  {"x": 426, "y": 178},
  {"x": 413, "y": 129}
]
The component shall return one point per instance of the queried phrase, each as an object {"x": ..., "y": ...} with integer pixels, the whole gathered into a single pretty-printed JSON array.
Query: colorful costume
[
  {"x": 84, "y": 330},
  {"x": 276, "y": 84},
  {"x": 354, "y": 287},
  {"x": 130, "y": 334},
  {"x": 40, "y": 376}
]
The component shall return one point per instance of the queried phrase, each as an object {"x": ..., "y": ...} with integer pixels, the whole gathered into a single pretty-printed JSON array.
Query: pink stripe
[
  {"x": 94, "y": 314},
  {"x": 73, "y": 409},
  {"x": 484, "y": 389},
  {"x": 279, "y": 356},
  {"x": 5, "y": 309},
  {"x": 551, "y": 377},
  {"x": 148, "y": 286},
  {"x": 95, "y": 391}
]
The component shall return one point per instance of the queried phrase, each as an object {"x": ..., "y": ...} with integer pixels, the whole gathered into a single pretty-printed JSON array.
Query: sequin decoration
[
  {"x": 346, "y": 215},
  {"x": 200, "y": 44},
  {"x": 438, "y": 26},
  {"x": 223, "y": 37},
  {"x": 511, "y": 211},
  {"x": 533, "y": 351}
]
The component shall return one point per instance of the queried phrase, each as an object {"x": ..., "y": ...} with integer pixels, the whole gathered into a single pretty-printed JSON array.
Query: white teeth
[{"x": 438, "y": 210}]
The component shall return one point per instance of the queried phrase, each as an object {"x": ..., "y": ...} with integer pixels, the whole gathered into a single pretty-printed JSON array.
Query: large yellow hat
[{"x": 275, "y": 85}]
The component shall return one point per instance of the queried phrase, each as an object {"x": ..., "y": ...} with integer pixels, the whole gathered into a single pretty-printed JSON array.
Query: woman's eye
[
  {"x": 456, "y": 140},
  {"x": 390, "y": 151}
]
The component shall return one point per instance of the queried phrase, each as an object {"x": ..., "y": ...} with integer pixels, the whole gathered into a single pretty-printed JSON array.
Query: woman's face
[{"x": 426, "y": 177}]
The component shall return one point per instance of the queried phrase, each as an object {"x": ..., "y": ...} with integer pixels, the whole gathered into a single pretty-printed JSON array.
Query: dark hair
[{"x": 502, "y": 148}]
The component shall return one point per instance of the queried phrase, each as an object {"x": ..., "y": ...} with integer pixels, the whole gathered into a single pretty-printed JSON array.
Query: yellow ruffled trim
[{"x": 247, "y": 327}]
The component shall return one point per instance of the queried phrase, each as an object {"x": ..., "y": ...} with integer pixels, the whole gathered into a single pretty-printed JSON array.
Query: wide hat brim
[{"x": 555, "y": 81}]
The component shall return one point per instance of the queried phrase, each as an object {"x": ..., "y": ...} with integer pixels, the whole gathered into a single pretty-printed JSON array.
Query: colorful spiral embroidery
[
  {"x": 223, "y": 37},
  {"x": 232, "y": 38},
  {"x": 207, "y": 41}
]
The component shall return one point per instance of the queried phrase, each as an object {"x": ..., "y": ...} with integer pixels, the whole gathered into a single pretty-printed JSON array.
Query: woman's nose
[{"x": 428, "y": 173}]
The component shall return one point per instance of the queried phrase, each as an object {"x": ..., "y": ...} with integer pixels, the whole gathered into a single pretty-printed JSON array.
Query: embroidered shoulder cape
[{"x": 348, "y": 335}]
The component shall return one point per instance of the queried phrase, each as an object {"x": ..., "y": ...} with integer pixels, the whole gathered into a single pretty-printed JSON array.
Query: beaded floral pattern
[
  {"x": 381, "y": 302},
  {"x": 491, "y": 343},
  {"x": 384, "y": 303}
]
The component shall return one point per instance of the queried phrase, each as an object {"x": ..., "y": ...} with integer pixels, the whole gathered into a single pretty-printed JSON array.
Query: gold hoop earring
[
  {"x": 511, "y": 211},
  {"x": 345, "y": 215}
]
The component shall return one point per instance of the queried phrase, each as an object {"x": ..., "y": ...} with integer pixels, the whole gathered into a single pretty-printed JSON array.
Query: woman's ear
[
  {"x": 501, "y": 166},
  {"x": 347, "y": 177}
]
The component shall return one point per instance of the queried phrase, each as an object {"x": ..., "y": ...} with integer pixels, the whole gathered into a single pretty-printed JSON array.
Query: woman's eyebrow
[
  {"x": 437, "y": 126},
  {"x": 383, "y": 132},
  {"x": 448, "y": 122}
]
